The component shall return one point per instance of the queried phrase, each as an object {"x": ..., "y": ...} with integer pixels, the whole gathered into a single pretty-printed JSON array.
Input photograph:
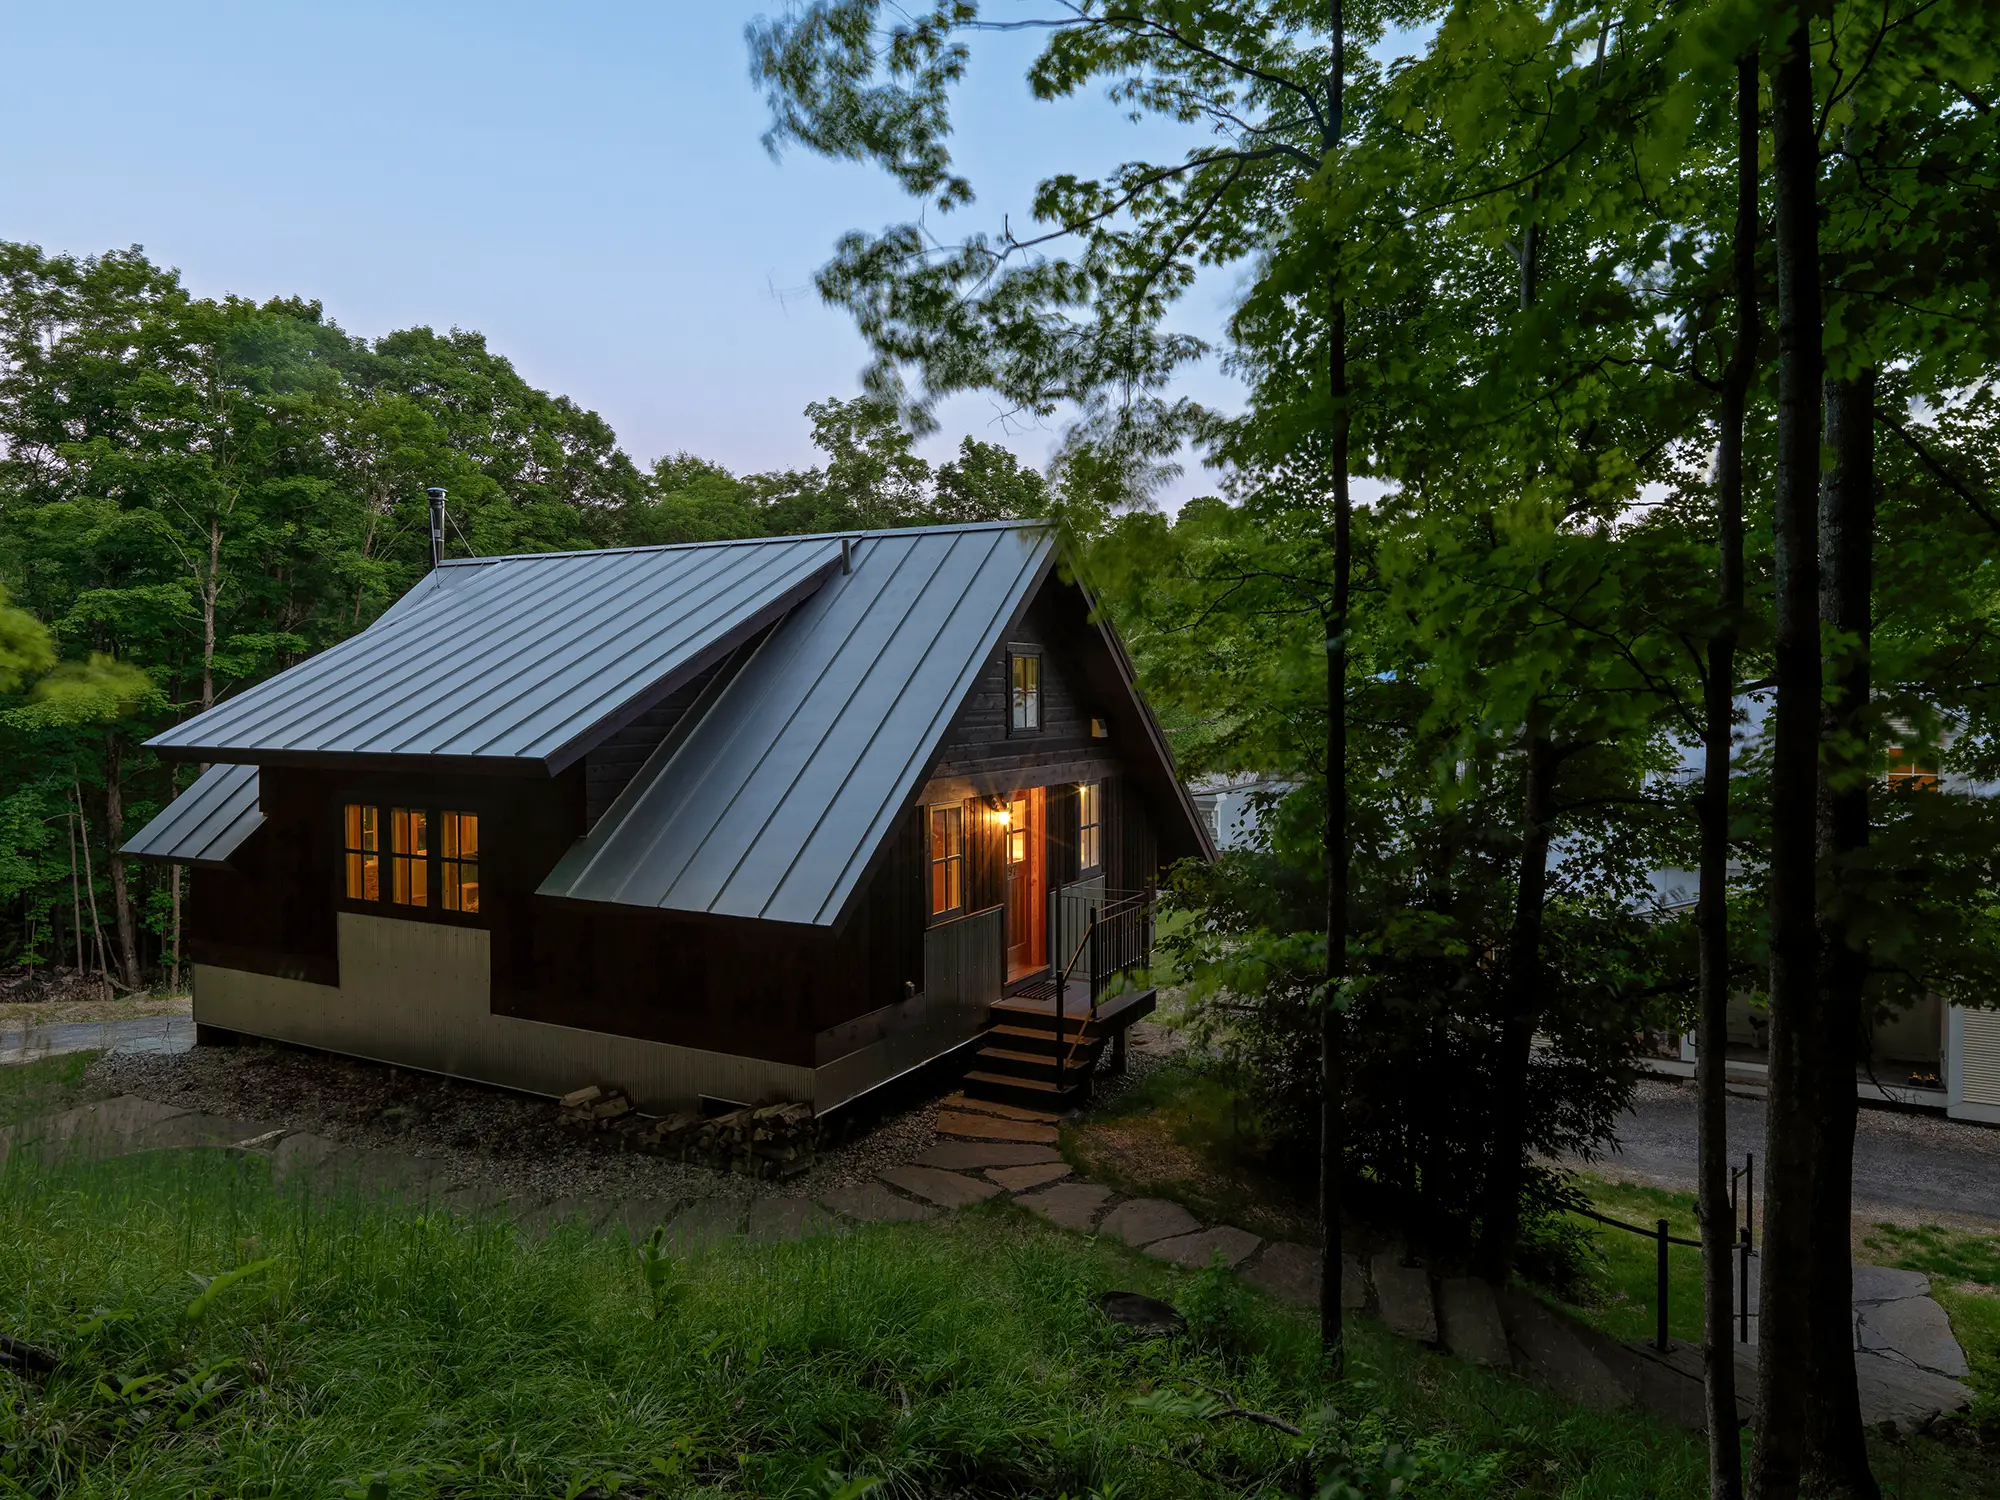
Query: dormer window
[{"x": 1024, "y": 682}]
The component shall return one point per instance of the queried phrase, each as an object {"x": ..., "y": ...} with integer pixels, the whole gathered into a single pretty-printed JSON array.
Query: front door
[{"x": 1027, "y": 895}]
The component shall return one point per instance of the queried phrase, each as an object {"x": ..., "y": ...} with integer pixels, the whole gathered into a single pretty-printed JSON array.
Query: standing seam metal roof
[
  {"x": 773, "y": 804},
  {"x": 205, "y": 824},
  {"x": 522, "y": 659}
]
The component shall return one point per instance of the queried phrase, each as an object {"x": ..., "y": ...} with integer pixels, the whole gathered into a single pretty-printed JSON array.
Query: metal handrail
[{"x": 1659, "y": 1235}]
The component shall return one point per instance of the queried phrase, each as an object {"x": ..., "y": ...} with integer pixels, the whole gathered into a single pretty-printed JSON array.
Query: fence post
[
  {"x": 1743, "y": 1285},
  {"x": 1749, "y": 1195},
  {"x": 1660, "y": 1342}
]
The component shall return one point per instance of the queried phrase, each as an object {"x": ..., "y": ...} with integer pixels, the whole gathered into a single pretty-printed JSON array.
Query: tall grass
[{"x": 218, "y": 1337}]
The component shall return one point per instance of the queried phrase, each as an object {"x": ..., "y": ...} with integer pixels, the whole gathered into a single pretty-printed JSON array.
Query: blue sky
[{"x": 583, "y": 183}]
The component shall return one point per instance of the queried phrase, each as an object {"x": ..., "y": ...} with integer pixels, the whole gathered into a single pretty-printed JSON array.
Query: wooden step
[
  {"x": 1033, "y": 1092},
  {"x": 1030, "y": 1064},
  {"x": 1044, "y": 1040}
]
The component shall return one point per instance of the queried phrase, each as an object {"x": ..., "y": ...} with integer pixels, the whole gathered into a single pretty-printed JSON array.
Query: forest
[{"x": 196, "y": 494}]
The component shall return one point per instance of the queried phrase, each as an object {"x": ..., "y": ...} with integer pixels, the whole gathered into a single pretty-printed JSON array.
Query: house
[
  {"x": 1234, "y": 807},
  {"x": 1930, "y": 1055},
  {"x": 738, "y": 821}
]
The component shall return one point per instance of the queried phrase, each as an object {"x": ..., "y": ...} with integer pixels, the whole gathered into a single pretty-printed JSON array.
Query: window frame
[
  {"x": 1904, "y": 772},
  {"x": 946, "y": 866},
  {"x": 395, "y": 863},
  {"x": 1089, "y": 827},
  {"x": 1020, "y": 655}
]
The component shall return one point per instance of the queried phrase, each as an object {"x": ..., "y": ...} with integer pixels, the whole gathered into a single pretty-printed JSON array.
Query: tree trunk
[
  {"x": 1836, "y": 1449},
  {"x": 90, "y": 888},
  {"x": 211, "y": 587},
  {"x": 75, "y": 895},
  {"x": 114, "y": 835},
  {"x": 1718, "y": 1223},
  {"x": 1521, "y": 984},
  {"x": 1797, "y": 1027},
  {"x": 1333, "y": 1029}
]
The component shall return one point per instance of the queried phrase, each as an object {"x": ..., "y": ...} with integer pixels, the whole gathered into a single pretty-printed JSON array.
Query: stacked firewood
[
  {"x": 592, "y": 1109},
  {"x": 773, "y": 1140}
]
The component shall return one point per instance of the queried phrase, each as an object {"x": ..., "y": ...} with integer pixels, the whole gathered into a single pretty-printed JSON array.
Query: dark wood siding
[
  {"x": 980, "y": 748},
  {"x": 757, "y": 989},
  {"x": 609, "y": 768}
]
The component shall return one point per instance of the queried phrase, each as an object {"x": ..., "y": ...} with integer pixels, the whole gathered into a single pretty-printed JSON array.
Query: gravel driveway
[{"x": 1905, "y": 1165}]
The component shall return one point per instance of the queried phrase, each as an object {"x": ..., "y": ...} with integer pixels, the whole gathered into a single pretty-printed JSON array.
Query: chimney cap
[{"x": 436, "y": 492}]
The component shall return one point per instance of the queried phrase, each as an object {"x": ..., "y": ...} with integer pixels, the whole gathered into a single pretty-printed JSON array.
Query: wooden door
[{"x": 1025, "y": 853}]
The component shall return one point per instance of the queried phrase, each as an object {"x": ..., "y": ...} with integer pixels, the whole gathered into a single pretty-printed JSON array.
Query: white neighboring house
[
  {"x": 1932, "y": 1056},
  {"x": 1233, "y": 806}
]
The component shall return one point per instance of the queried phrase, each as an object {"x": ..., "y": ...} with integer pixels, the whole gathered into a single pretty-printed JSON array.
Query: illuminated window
[
  {"x": 1908, "y": 774},
  {"x": 1024, "y": 675},
  {"x": 409, "y": 856},
  {"x": 459, "y": 871},
  {"x": 947, "y": 860},
  {"x": 362, "y": 839},
  {"x": 1089, "y": 826}
]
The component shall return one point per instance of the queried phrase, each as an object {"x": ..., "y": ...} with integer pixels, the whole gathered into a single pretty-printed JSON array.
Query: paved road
[
  {"x": 1912, "y": 1163},
  {"x": 146, "y": 1034}
]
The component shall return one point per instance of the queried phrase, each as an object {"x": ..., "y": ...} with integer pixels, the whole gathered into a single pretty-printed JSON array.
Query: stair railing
[{"x": 1063, "y": 1053}]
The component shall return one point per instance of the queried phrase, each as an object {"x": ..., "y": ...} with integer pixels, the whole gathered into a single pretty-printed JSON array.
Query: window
[
  {"x": 409, "y": 856},
  {"x": 1908, "y": 774},
  {"x": 1024, "y": 676},
  {"x": 431, "y": 854},
  {"x": 1089, "y": 826},
  {"x": 459, "y": 880},
  {"x": 362, "y": 839},
  {"x": 947, "y": 860}
]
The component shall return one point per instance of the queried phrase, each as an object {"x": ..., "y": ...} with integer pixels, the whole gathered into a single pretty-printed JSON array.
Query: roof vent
[
  {"x": 437, "y": 525},
  {"x": 847, "y": 554}
]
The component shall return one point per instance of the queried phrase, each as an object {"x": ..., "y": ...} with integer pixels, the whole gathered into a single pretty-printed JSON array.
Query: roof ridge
[{"x": 753, "y": 541}]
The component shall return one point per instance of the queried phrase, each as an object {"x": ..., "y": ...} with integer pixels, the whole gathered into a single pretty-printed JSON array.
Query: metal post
[
  {"x": 1052, "y": 939},
  {"x": 1749, "y": 1195},
  {"x": 1096, "y": 965},
  {"x": 1660, "y": 1342},
  {"x": 1743, "y": 1284}
]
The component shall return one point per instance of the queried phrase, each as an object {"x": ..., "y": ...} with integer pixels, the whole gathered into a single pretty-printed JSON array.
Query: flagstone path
[{"x": 1907, "y": 1359}]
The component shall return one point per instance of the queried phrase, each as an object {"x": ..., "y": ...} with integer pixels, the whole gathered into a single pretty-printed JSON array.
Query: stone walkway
[{"x": 1908, "y": 1360}]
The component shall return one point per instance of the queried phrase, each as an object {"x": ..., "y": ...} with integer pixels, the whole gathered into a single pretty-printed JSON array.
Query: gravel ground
[
  {"x": 1905, "y": 1165},
  {"x": 475, "y": 1134}
]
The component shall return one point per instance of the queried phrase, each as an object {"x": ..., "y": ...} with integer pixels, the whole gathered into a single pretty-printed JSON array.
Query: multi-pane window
[
  {"x": 362, "y": 839},
  {"x": 1024, "y": 677},
  {"x": 1909, "y": 774},
  {"x": 947, "y": 860},
  {"x": 459, "y": 869},
  {"x": 1089, "y": 825},
  {"x": 409, "y": 856}
]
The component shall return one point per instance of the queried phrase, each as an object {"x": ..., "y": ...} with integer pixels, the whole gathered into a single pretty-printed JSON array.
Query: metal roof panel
[
  {"x": 205, "y": 824},
  {"x": 516, "y": 659},
  {"x": 771, "y": 807}
]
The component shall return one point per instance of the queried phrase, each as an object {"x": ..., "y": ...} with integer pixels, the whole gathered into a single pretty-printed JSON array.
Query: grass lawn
[
  {"x": 1177, "y": 1135},
  {"x": 217, "y": 1337},
  {"x": 46, "y": 1086}
]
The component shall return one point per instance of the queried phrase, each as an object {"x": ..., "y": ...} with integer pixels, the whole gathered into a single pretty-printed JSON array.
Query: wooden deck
[{"x": 1114, "y": 1012}]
